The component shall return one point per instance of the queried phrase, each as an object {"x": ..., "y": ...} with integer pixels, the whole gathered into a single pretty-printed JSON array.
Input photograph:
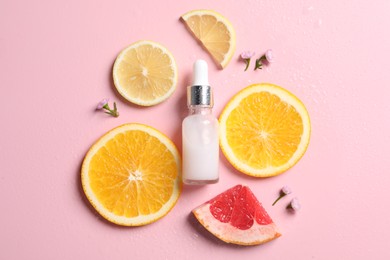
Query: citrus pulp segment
[
  {"x": 214, "y": 32},
  {"x": 145, "y": 73},
  {"x": 131, "y": 175},
  {"x": 236, "y": 216},
  {"x": 265, "y": 130}
]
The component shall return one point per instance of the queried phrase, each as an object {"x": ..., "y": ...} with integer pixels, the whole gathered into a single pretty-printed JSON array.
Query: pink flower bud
[
  {"x": 247, "y": 55},
  {"x": 269, "y": 56},
  {"x": 102, "y": 103},
  {"x": 294, "y": 205},
  {"x": 286, "y": 190}
]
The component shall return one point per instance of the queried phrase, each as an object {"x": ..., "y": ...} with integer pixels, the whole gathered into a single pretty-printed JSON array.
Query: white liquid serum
[{"x": 200, "y": 131}]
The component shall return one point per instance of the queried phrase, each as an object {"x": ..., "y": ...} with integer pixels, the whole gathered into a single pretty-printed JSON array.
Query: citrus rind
[{"x": 256, "y": 235}]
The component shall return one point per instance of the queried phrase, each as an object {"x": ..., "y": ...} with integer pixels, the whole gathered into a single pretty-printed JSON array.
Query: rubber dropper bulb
[{"x": 200, "y": 72}]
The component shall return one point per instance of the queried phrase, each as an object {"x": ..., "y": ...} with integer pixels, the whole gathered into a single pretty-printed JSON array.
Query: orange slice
[
  {"x": 145, "y": 73},
  {"x": 131, "y": 175},
  {"x": 265, "y": 130},
  {"x": 214, "y": 32}
]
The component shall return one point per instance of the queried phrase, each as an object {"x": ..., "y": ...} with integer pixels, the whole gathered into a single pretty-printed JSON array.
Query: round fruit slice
[
  {"x": 214, "y": 32},
  {"x": 236, "y": 216},
  {"x": 265, "y": 130},
  {"x": 131, "y": 175},
  {"x": 145, "y": 73}
]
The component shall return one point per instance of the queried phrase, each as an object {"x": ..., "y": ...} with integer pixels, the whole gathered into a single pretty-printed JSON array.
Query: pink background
[{"x": 55, "y": 66}]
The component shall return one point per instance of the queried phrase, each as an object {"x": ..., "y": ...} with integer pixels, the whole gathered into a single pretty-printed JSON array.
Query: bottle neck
[{"x": 202, "y": 110}]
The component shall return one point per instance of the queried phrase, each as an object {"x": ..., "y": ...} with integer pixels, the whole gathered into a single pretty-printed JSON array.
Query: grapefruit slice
[{"x": 236, "y": 216}]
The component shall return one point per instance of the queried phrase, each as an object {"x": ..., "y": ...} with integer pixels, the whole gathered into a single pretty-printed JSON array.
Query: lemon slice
[
  {"x": 215, "y": 33},
  {"x": 265, "y": 130},
  {"x": 145, "y": 73},
  {"x": 131, "y": 175}
]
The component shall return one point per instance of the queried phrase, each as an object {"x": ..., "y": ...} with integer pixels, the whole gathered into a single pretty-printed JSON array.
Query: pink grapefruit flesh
[{"x": 236, "y": 216}]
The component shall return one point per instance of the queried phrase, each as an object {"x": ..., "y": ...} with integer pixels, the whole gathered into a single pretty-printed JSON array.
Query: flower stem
[
  {"x": 281, "y": 196},
  {"x": 247, "y": 61},
  {"x": 113, "y": 112},
  {"x": 258, "y": 64}
]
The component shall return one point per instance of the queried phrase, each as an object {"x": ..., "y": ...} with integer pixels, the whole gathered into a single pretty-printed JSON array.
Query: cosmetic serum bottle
[{"x": 200, "y": 131}]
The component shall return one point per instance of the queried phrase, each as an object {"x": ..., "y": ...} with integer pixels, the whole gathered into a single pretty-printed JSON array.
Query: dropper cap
[{"x": 200, "y": 93}]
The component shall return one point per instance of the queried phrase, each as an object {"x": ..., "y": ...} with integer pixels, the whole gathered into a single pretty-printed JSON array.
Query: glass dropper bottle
[{"x": 200, "y": 131}]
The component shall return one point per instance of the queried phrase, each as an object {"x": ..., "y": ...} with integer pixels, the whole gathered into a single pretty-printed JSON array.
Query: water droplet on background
[
  {"x": 318, "y": 24},
  {"x": 308, "y": 10}
]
